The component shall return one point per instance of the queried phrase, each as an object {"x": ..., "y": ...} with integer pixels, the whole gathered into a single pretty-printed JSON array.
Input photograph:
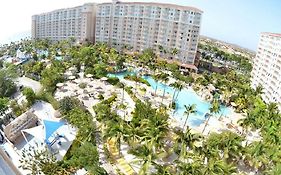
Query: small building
[{"x": 24, "y": 121}]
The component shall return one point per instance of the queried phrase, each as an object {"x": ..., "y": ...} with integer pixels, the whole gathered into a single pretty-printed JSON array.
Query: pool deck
[{"x": 59, "y": 148}]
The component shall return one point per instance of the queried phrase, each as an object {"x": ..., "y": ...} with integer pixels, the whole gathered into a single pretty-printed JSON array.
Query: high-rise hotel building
[
  {"x": 267, "y": 67},
  {"x": 143, "y": 25},
  {"x": 139, "y": 25},
  {"x": 77, "y": 22}
]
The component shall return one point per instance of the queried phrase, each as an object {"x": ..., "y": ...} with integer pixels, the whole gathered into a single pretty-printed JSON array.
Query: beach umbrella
[
  {"x": 233, "y": 104},
  {"x": 89, "y": 75},
  {"x": 59, "y": 85},
  {"x": 104, "y": 78},
  {"x": 72, "y": 68},
  {"x": 71, "y": 77}
]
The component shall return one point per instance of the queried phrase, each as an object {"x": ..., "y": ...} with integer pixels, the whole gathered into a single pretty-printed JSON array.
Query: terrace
[{"x": 48, "y": 132}]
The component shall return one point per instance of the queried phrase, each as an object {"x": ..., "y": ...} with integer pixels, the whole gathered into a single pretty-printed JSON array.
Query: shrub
[
  {"x": 18, "y": 109},
  {"x": 110, "y": 99},
  {"x": 100, "y": 97},
  {"x": 48, "y": 97},
  {"x": 113, "y": 80},
  {"x": 68, "y": 103},
  {"x": 173, "y": 105},
  {"x": 137, "y": 79},
  {"x": 30, "y": 95},
  {"x": 83, "y": 85}
]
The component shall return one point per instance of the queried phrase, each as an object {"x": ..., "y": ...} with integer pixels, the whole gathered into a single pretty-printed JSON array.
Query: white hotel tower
[
  {"x": 143, "y": 25},
  {"x": 267, "y": 67},
  {"x": 77, "y": 22}
]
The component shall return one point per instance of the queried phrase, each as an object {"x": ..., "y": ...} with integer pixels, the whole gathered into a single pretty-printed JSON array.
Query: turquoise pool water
[
  {"x": 185, "y": 97},
  {"x": 59, "y": 58}
]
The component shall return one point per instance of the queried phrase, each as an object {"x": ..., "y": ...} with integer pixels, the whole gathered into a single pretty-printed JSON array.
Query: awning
[
  {"x": 37, "y": 132},
  {"x": 45, "y": 131},
  {"x": 51, "y": 127}
]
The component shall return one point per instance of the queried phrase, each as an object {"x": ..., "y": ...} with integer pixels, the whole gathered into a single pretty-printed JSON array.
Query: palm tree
[
  {"x": 255, "y": 156},
  {"x": 272, "y": 109},
  {"x": 122, "y": 85},
  {"x": 115, "y": 130},
  {"x": 156, "y": 129},
  {"x": 194, "y": 167},
  {"x": 156, "y": 78},
  {"x": 146, "y": 156},
  {"x": 132, "y": 133},
  {"x": 180, "y": 87},
  {"x": 218, "y": 166},
  {"x": 174, "y": 51},
  {"x": 227, "y": 143},
  {"x": 175, "y": 85},
  {"x": 185, "y": 140},
  {"x": 190, "y": 109},
  {"x": 164, "y": 79},
  {"x": 161, "y": 48},
  {"x": 214, "y": 109},
  {"x": 258, "y": 90},
  {"x": 163, "y": 170}
]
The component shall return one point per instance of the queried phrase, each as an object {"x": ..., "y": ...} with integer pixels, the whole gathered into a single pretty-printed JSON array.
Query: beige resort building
[
  {"x": 143, "y": 25},
  {"x": 138, "y": 25}
]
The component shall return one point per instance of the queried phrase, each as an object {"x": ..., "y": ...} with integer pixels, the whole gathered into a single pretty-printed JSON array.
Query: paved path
[
  {"x": 27, "y": 82},
  {"x": 121, "y": 163}
]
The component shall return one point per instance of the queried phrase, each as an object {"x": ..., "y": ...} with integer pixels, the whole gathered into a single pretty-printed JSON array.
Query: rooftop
[
  {"x": 166, "y": 5},
  {"x": 271, "y": 34}
]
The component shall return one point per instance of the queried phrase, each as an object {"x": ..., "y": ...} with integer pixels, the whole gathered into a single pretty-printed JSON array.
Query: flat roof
[
  {"x": 166, "y": 5},
  {"x": 271, "y": 34},
  {"x": 63, "y": 9},
  {"x": 185, "y": 65}
]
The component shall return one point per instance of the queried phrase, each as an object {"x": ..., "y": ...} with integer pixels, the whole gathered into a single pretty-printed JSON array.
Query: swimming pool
[
  {"x": 187, "y": 96},
  {"x": 59, "y": 58}
]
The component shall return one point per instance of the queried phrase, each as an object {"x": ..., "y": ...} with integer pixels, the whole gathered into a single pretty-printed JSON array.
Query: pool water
[
  {"x": 59, "y": 58},
  {"x": 185, "y": 97}
]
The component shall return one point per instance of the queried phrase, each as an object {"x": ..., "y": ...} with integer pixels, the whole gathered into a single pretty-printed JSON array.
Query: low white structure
[
  {"x": 52, "y": 132},
  {"x": 24, "y": 121}
]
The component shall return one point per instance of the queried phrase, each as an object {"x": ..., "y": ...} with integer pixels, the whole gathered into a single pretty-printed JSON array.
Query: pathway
[{"x": 121, "y": 163}]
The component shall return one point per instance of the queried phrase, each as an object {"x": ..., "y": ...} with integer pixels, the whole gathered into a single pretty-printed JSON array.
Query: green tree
[
  {"x": 190, "y": 109},
  {"x": 7, "y": 85},
  {"x": 30, "y": 95},
  {"x": 146, "y": 157},
  {"x": 214, "y": 109},
  {"x": 68, "y": 103},
  {"x": 164, "y": 78},
  {"x": 39, "y": 161},
  {"x": 86, "y": 156}
]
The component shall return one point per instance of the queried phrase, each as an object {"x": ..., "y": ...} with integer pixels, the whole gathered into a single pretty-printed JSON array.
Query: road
[{"x": 27, "y": 82}]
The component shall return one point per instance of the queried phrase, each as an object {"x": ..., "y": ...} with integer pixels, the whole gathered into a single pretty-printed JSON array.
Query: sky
[{"x": 235, "y": 21}]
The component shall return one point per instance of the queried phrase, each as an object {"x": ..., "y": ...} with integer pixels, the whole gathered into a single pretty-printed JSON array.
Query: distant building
[
  {"x": 267, "y": 67},
  {"x": 142, "y": 25},
  {"x": 77, "y": 22}
]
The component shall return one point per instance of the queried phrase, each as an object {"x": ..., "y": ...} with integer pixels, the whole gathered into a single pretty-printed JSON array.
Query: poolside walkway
[{"x": 120, "y": 161}]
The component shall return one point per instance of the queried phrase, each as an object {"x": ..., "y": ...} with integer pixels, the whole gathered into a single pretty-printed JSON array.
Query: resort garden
[{"x": 150, "y": 141}]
